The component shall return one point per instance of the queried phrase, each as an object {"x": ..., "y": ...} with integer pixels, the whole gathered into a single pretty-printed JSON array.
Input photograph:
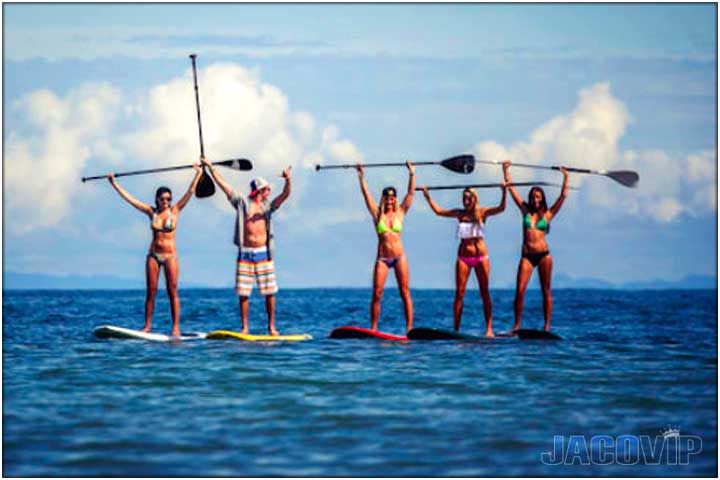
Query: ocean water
[{"x": 633, "y": 363}]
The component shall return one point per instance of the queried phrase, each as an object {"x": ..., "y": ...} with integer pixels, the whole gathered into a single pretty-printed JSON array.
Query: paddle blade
[
  {"x": 205, "y": 187},
  {"x": 460, "y": 163},
  {"x": 241, "y": 164},
  {"x": 625, "y": 177}
]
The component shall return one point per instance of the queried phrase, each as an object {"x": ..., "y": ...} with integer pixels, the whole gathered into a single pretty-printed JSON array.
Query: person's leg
[
  {"x": 172, "y": 272},
  {"x": 244, "y": 275},
  {"x": 402, "y": 275},
  {"x": 524, "y": 272},
  {"x": 482, "y": 271},
  {"x": 379, "y": 277},
  {"x": 244, "y": 310},
  {"x": 462, "y": 273},
  {"x": 152, "y": 272},
  {"x": 267, "y": 285},
  {"x": 270, "y": 309},
  {"x": 545, "y": 273}
]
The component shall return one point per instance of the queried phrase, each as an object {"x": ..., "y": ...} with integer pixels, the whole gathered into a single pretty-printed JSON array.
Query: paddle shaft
[
  {"x": 367, "y": 165},
  {"x": 486, "y": 185},
  {"x": 544, "y": 167},
  {"x": 197, "y": 104},
  {"x": 225, "y": 163}
]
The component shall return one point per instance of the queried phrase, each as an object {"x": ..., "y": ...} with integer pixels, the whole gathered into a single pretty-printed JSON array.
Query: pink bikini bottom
[{"x": 473, "y": 261}]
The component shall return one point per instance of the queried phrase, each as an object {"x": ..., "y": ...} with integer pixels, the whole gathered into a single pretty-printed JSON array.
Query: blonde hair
[{"x": 477, "y": 214}]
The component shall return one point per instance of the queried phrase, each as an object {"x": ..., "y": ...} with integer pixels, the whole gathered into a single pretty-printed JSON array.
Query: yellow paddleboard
[{"x": 228, "y": 335}]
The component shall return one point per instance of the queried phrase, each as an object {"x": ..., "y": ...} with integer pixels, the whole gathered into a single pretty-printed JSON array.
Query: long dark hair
[
  {"x": 543, "y": 204},
  {"x": 159, "y": 192}
]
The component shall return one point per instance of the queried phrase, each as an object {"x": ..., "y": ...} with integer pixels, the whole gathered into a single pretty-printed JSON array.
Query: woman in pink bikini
[
  {"x": 388, "y": 219},
  {"x": 472, "y": 251}
]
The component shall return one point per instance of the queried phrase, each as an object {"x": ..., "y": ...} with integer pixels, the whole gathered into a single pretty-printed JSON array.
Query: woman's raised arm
[{"x": 143, "y": 207}]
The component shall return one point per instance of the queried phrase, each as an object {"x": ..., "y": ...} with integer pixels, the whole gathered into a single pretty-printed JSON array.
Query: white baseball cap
[{"x": 257, "y": 184}]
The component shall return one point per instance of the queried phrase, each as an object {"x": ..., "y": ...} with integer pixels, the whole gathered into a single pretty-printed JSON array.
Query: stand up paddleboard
[
  {"x": 527, "y": 334},
  {"x": 427, "y": 333},
  {"x": 109, "y": 331},
  {"x": 228, "y": 335},
  {"x": 351, "y": 331}
]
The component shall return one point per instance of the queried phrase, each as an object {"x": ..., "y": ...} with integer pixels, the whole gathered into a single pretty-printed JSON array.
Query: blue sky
[{"x": 94, "y": 88}]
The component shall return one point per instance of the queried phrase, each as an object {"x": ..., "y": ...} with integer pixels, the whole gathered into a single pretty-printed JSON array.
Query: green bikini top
[
  {"x": 383, "y": 228},
  {"x": 541, "y": 224}
]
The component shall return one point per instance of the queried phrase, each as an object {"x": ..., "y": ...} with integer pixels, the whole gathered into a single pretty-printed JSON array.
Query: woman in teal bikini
[
  {"x": 388, "y": 219},
  {"x": 163, "y": 221},
  {"x": 535, "y": 253},
  {"x": 472, "y": 251}
]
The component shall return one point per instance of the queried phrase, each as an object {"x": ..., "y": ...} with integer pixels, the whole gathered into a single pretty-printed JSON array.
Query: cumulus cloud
[
  {"x": 588, "y": 137},
  {"x": 94, "y": 129},
  {"x": 42, "y": 168}
]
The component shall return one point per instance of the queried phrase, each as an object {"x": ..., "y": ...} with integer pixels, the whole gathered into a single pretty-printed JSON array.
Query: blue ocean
[{"x": 637, "y": 370}]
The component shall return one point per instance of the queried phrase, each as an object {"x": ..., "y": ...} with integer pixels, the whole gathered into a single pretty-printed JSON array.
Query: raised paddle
[
  {"x": 458, "y": 164},
  {"x": 236, "y": 164},
  {"x": 493, "y": 185},
  {"x": 627, "y": 178},
  {"x": 205, "y": 186}
]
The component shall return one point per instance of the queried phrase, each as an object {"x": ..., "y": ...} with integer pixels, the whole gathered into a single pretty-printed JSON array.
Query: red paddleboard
[{"x": 351, "y": 331}]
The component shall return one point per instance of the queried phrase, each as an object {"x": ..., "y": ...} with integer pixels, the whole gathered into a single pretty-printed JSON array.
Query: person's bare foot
[
  {"x": 245, "y": 331},
  {"x": 176, "y": 332},
  {"x": 146, "y": 329},
  {"x": 273, "y": 332},
  {"x": 489, "y": 333}
]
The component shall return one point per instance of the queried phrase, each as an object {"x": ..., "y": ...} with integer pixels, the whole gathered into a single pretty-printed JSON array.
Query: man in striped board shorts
[{"x": 254, "y": 239}]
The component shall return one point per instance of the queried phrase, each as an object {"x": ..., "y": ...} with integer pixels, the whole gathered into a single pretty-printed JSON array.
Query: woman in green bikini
[
  {"x": 163, "y": 221},
  {"x": 535, "y": 253},
  {"x": 388, "y": 220}
]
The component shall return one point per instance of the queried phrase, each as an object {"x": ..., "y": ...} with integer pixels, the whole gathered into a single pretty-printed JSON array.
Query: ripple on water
[{"x": 78, "y": 406}]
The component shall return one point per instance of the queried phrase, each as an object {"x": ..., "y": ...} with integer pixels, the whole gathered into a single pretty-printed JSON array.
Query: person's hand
[
  {"x": 425, "y": 190},
  {"x": 196, "y": 167},
  {"x": 287, "y": 173},
  {"x": 410, "y": 167},
  {"x": 359, "y": 168},
  {"x": 111, "y": 177},
  {"x": 563, "y": 169},
  {"x": 506, "y": 171},
  {"x": 205, "y": 162}
]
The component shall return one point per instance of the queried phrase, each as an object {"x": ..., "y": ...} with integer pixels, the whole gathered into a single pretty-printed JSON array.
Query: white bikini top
[{"x": 470, "y": 230}]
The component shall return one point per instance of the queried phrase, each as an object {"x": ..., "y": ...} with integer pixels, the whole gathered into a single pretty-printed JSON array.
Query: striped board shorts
[{"x": 253, "y": 265}]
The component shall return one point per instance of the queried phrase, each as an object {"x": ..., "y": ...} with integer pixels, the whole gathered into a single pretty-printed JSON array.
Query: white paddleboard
[{"x": 110, "y": 331}]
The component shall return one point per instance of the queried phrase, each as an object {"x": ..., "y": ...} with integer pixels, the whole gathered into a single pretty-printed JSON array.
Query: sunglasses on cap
[{"x": 389, "y": 192}]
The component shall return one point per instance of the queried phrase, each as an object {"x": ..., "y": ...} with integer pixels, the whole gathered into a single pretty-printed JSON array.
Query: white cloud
[
  {"x": 588, "y": 137},
  {"x": 93, "y": 129},
  {"x": 43, "y": 169}
]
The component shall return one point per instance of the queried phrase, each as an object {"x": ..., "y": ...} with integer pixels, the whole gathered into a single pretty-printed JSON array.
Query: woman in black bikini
[
  {"x": 163, "y": 221},
  {"x": 535, "y": 253}
]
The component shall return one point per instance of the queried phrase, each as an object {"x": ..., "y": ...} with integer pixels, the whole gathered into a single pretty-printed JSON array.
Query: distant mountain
[
  {"x": 562, "y": 280},
  {"x": 32, "y": 281},
  {"x": 690, "y": 282}
]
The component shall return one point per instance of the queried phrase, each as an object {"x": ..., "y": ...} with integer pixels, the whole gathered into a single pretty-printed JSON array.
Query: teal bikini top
[{"x": 542, "y": 224}]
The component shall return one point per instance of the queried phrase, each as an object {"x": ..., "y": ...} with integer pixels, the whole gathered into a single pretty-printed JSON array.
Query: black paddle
[
  {"x": 236, "y": 164},
  {"x": 205, "y": 186},
  {"x": 627, "y": 178},
  {"x": 493, "y": 185},
  {"x": 458, "y": 164}
]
